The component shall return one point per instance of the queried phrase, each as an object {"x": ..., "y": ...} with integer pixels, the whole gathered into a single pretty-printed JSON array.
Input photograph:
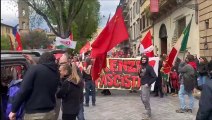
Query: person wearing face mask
[{"x": 148, "y": 76}]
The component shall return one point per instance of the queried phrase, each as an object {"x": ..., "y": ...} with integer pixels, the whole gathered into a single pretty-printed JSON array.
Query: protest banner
[{"x": 122, "y": 73}]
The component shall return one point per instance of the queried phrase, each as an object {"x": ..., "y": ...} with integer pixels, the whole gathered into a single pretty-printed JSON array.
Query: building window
[
  {"x": 181, "y": 25},
  {"x": 207, "y": 24},
  {"x": 134, "y": 10},
  {"x": 131, "y": 32},
  {"x": 147, "y": 22},
  {"x": 130, "y": 14},
  {"x": 141, "y": 23},
  {"x": 23, "y": 12},
  {"x": 138, "y": 25},
  {"x": 134, "y": 31},
  {"x": 138, "y": 7},
  {"x": 144, "y": 23},
  {"x": 23, "y": 25}
]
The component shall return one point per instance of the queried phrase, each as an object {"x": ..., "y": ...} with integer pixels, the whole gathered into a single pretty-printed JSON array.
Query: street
[{"x": 122, "y": 105}]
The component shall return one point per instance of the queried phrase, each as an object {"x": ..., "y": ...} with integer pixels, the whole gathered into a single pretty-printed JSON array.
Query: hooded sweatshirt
[
  {"x": 146, "y": 73},
  {"x": 38, "y": 89}
]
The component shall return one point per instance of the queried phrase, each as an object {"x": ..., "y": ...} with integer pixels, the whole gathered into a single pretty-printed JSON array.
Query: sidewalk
[{"x": 122, "y": 105}]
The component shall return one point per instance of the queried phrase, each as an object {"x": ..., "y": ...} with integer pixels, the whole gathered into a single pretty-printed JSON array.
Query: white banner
[{"x": 65, "y": 42}]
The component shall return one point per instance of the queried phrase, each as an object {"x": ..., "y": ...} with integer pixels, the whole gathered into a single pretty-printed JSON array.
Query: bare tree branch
[{"x": 43, "y": 15}]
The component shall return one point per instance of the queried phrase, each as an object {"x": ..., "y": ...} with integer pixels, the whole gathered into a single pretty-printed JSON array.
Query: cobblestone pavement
[{"x": 122, "y": 105}]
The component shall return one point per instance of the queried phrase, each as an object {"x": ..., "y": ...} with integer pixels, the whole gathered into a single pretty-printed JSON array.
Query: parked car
[{"x": 13, "y": 63}]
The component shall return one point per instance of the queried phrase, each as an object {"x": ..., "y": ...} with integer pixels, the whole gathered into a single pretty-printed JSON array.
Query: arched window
[{"x": 23, "y": 12}]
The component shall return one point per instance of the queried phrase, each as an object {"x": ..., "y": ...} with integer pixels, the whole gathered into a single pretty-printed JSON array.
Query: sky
[{"x": 9, "y": 12}]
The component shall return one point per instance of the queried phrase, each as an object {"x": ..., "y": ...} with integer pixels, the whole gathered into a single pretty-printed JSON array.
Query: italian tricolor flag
[{"x": 179, "y": 46}]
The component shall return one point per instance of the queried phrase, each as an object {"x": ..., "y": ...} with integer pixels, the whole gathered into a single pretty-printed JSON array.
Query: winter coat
[
  {"x": 38, "y": 89},
  {"x": 188, "y": 76},
  {"x": 70, "y": 93},
  {"x": 205, "y": 103}
]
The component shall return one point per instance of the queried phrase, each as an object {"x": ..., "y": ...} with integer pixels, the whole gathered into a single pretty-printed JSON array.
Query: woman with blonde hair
[{"x": 70, "y": 92}]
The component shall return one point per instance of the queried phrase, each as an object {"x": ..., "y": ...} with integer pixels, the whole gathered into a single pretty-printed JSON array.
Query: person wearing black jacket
[
  {"x": 70, "y": 92},
  {"x": 38, "y": 90},
  {"x": 205, "y": 104},
  {"x": 203, "y": 72},
  {"x": 148, "y": 76}
]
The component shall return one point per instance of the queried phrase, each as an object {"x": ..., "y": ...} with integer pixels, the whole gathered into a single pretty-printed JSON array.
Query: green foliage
[
  {"x": 86, "y": 23},
  {"x": 5, "y": 43},
  {"x": 35, "y": 40}
]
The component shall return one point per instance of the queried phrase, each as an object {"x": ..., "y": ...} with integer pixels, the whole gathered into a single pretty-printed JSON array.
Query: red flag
[
  {"x": 154, "y": 6},
  {"x": 99, "y": 63},
  {"x": 114, "y": 33},
  {"x": 85, "y": 48},
  {"x": 146, "y": 46},
  {"x": 71, "y": 37},
  {"x": 18, "y": 39}
]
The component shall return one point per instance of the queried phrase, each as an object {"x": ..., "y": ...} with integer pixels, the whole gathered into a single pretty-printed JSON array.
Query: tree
[
  {"x": 60, "y": 12},
  {"x": 86, "y": 23},
  {"x": 35, "y": 40},
  {"x": 5, "y": 43}
]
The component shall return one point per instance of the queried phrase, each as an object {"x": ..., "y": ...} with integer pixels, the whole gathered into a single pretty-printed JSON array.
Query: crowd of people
[
  {"x": 52, "y": 83},
  {"x": 187, "y": 78}
]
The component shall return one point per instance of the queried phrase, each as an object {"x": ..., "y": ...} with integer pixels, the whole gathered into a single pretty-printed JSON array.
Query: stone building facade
[
  {"x": 23, "y": 15},
  {"x": 205, "y": 28}
]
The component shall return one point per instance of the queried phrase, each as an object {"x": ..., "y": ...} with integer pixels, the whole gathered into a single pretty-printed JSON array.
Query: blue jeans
[
  {"x": 90, "y": 89},
  {"x": 201, "y": 80},
  {"x": 182, "y": 94},
  {"x": 80, "y": 115}
]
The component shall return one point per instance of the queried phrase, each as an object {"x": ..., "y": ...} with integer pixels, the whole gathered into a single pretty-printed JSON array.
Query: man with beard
[{"x": 148, "y": 76}]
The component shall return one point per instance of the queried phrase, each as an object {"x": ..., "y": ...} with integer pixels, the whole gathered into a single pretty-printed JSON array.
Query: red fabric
[
  {"x": 85, "y": 48},
  {"x": 174, "y": 80},
  {"x": 150, "y": 54},
  {"x": 99, "y": 64},
  {"x": 170, "y": 60},
  {"x": 18, "y": 39},
  {"x": 147, "y": 42},
  {"x": 114, "y": 33},
  {"x": 58, "y": 56},
  {"x": 154, "y": 6},
  {"x": 71, "y": 37},
  {"x": 193, "y": 64}
]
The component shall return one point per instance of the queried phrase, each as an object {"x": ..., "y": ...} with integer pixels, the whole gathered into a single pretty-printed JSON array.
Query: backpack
[{"x": 13, "y": 90}]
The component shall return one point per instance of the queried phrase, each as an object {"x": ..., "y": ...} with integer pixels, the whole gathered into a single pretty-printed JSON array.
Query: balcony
[{"x": 165, "y": 7}]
